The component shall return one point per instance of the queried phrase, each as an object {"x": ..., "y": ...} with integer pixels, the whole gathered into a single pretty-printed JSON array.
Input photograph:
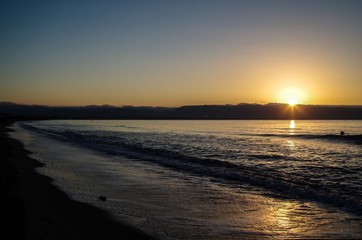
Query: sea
[{"x": 209, "y": 179}]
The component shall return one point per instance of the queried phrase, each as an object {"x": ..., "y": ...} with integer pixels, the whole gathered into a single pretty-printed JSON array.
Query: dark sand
[{"x": 33, "y": 208}]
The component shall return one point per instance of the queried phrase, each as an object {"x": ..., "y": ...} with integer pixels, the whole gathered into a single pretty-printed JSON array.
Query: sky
[{"x": 174, "y": 53}]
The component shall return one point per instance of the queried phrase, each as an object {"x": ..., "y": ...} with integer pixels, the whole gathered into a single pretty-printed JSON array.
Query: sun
[
  {"x": 291, "y": 96},
  {"x": 292, "y": 101}
]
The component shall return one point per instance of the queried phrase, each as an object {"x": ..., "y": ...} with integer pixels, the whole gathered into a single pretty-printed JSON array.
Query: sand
[{"x": 33, "y": 208}]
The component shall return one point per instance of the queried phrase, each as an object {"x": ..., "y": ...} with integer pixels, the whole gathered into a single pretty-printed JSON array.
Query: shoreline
[{"x": 33, "y": 208}]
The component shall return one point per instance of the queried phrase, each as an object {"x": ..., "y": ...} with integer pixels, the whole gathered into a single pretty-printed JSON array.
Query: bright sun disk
[
  {"x": 292, "y": 101},
  {"x": 292, "y": 96}
]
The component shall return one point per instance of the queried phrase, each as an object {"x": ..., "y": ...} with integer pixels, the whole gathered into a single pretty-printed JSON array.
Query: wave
[
  {"x": 356, "y": 139},
  {"x": 276, "y": 182}
]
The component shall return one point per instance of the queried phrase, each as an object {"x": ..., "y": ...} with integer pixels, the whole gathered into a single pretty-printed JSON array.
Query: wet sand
[{"x": 33, "y": 208}]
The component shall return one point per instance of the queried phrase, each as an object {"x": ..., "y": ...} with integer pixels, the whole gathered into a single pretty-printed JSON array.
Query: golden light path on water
[
  {"x": 289, "y": 218},
  {"x": 289, "y": 143},
  {"x": 292, "y": 124},
  {"x": 284, "y": 219}
]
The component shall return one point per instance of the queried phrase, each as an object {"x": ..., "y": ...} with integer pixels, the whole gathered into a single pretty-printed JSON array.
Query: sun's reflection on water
[
  {"x": 292, "y": 127},
  {"x": 283, "y": 217},
  {"x": 290, "y": 145},
  {"x": 292, "y": 124},
  {"x": 289, "y": 218}
]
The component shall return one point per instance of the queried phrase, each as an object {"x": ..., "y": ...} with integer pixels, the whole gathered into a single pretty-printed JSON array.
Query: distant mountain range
[{"x": 239, "y": 111}]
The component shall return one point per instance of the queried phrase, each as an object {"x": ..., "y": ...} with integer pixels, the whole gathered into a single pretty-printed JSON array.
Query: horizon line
[{"x": 188, "y": 105}]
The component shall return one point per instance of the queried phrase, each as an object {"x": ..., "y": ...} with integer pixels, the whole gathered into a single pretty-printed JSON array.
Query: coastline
[{"x": 33, "y": 208}]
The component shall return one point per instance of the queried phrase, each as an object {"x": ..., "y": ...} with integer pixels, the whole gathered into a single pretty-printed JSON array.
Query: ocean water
[{"x": 210, "y": 179}]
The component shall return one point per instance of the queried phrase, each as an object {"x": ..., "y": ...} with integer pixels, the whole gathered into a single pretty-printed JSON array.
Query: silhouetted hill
[
  {"x": 86, "y": 112},
  {"x": 269, "y": 111},
  {"x": 241, "y": 111}
]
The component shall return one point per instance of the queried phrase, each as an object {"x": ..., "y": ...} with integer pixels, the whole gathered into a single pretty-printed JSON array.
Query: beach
[{"x": 33, "y": 208}]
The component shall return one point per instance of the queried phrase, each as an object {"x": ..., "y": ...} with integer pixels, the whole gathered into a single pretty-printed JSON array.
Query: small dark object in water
[
  {"x": 102, "y": 198},
  {"x": 342, "y": 133}
]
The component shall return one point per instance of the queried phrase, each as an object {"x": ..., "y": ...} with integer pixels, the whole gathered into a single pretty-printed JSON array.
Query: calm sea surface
[{"x": 210, "y": 179}]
